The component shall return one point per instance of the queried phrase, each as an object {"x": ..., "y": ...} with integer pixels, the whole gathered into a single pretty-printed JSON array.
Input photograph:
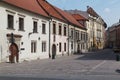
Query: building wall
[
  {"x": 118, "y": 36},
  {"x": 71, "y": 39},
  {"x": 56, "y": 39},
  {"x": 96, "y": 32},
  {"x": 24, "y": 42},
  {"x": 114, "y": 36}
]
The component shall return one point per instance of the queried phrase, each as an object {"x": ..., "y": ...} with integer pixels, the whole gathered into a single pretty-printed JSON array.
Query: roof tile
[
  {"x": 69, "y": 17},
  {"x": 79, "y": 17},
  {"x": 50, "y": 10},
  {"x": 30, "y": 5}
]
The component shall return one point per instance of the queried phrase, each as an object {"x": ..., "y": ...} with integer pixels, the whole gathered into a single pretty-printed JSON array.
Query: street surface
[{"x": 99, "y": 65}]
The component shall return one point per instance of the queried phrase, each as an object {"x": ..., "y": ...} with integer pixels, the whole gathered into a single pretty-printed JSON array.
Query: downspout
[
  {"x": 68, "y": 39},
  {"x": 50, "y": 36},
  {"x": 74, "y": 39}
]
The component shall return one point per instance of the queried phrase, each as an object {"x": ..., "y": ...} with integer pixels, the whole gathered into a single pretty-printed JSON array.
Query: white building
[
  {"x": 40, "y": 30},
  {"x": 30, "y": 28},
  {"x": 58, "y": 30},
  {"x": 75, "y": 29}
]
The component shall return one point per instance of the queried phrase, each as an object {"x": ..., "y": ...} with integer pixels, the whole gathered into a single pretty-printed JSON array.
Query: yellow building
[{"x": 96, "y": 30}]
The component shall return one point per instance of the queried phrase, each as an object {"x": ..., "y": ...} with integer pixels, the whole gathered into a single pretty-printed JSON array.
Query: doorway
[
  {"x": 13, "y": 48},
  {"x": 53, "y": 51}
]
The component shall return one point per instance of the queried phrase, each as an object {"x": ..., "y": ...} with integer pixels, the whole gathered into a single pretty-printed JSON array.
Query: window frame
[
  {"x": 65, "y": 31},
  {"x": 35, "y": 26},
  {"x": 54, "y": 28},
  {"x": 60, "y": 29},
  {"x": 9, "y": 22},
  {"x": 21, "y": 27},
  {"x": 44, "y": 46},
  {"x": 33, "y": 46},
  {"x": 60, "y": 47},
  {"x": 65, "y": 46},
  {"x": 44, "y": 28}
]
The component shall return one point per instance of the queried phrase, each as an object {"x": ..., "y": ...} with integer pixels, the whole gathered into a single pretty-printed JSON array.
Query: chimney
[{"x": 88, "y": 7}]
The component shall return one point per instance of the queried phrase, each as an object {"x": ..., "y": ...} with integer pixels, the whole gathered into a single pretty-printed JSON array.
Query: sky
[{"x": 109, "y": 10}]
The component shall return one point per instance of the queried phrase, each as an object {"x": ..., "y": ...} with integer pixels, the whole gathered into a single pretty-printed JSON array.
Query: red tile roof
[
  {"x": 30, "y": 5},
  {"x": 50, "y": 10},
  {"x": 69, "y": 17},
  {"x": 44, "y": 8},
  {"x": 79, "y": 17}
]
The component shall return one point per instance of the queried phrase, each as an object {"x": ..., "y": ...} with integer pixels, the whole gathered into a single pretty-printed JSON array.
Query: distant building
[
  {"x": 114, "y": 35},
  {"x": 95, "y": 26}
]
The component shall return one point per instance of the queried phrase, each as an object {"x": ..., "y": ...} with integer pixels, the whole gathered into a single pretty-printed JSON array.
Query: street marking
[{"x": 98, "y": 65}]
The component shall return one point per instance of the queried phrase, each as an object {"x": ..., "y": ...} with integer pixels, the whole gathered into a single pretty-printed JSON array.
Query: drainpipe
[
  {"x": 74, "y": 39},
  {"x": 68, "y": 39},
  {"x": 50, "y": 36}
]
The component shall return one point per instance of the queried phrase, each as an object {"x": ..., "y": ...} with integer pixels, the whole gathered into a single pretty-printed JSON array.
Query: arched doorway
[
  {"x": 53, "y": 51},
  {"x": 13, "y": 48}
]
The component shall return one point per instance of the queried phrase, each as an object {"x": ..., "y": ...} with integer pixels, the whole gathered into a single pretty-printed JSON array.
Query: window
[
  {"x": 43, "y": 28},
  {"x": 72, "y": 45},
  {"x": 10, "y": 21},
  {"x": 43, "y": 46},
  {"x": 60, "y": 30},
  {"x": 76, "y": 35},
  {"x": 59, "y": 47},
  {"x": 21, "y": 24},
  {"x": 54, "y": 28},
  {"x": 64, "y": 31},
  {"x": 34, "y": 27},
  {"x": 72, "y": 33},
  {"x": 84, "y": 36},
  {"x": 33, "y": 46},
  {"x": 64, "y": 46},
  {"x": 79, "y": 35}
]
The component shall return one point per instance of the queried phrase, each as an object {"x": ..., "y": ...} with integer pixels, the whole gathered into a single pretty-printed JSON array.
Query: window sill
[
  {"x": 60, "y": 34},
  {"x": 43, "y": 33},
  {"x": 11, "y": 28},
  {"x": 35, "y": 32},
  {"x": 22, "y": 30}
]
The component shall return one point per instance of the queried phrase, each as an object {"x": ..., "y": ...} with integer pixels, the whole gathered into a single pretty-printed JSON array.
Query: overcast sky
[{"x": 109, "y": 10}]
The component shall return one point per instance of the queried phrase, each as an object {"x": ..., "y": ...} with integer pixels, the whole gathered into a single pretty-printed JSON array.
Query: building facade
[
  {"x": 97, "y": 30},
  {"x": 30, "y": 30},
  {"x": 113, "y": 33},
  {"x": 95, "y": 26},
  {"x": 41, "y": 30}
]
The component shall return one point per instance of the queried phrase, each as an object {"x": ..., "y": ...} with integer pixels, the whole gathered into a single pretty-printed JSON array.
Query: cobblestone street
[{"x": 100, "y": 65}]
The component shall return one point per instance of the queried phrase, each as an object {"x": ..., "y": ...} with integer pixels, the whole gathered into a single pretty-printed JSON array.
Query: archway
[{"x": 13, "y": 53}]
